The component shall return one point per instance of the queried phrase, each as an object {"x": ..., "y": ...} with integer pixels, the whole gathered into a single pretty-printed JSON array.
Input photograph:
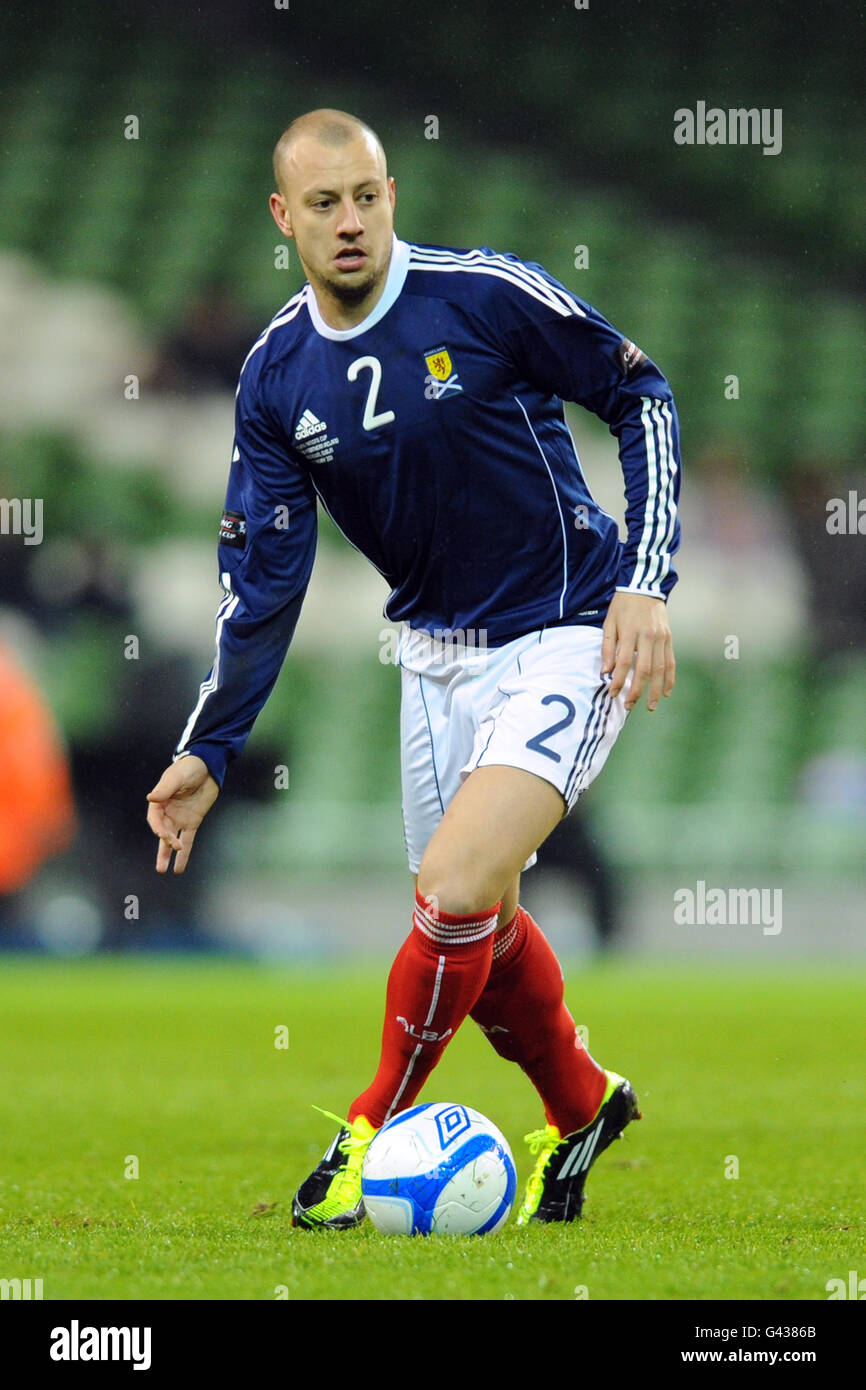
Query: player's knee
[{"x": 459, "y": 892}]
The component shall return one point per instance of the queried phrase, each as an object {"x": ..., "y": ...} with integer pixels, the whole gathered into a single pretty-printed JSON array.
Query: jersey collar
[{"x": 398, "y": 269}]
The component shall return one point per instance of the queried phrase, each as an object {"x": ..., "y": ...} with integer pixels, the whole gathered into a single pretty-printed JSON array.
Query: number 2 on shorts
[{"x": 537, "y": 743}]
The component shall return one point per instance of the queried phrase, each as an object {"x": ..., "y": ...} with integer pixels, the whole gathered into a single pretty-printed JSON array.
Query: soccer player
[{"x": 416, "y": 391}]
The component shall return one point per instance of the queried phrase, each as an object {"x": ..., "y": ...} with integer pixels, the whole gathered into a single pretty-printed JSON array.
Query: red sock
[
  {"x": 440, "y": 971},
  {"x": 523, "y": 1013}
]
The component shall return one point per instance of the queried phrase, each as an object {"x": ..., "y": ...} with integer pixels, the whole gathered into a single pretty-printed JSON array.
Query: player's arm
[
  {"x": 566, "y": 347},
  {"x": 266, "y": 551}
]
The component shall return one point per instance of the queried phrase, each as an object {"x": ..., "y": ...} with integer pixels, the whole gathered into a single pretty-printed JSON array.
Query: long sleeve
[
  {"x": 565, "y": 346},
  {"x": 266, "y": 550}
]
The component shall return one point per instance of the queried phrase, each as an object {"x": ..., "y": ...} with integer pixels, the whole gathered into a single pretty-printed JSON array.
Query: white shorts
[{"x": 538, "y": 703}]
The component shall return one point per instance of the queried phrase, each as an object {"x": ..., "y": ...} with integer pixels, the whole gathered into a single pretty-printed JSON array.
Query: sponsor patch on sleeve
[
  {"x": 233, "y": 530},
  {"x": 631, "y": 359}
]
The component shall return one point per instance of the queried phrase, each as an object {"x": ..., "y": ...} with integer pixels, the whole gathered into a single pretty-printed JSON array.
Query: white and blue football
[{"x": 442, "y": 1169}]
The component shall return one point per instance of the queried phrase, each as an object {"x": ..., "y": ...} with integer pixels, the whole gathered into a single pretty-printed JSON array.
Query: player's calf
[{"x": 439, "y": 972}]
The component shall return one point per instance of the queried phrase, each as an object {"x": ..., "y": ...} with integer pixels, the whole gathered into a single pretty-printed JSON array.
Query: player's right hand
[{"x": 178, "y": 804}]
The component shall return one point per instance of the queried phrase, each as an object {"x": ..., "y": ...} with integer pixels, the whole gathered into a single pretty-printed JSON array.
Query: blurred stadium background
[{"x": 134, "y": 274}]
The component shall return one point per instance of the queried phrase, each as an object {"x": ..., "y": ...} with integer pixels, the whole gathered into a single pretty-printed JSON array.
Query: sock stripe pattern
[
  {"x": 505, "y": 939},
  {"x": 437, "y": 977},
  {"x": 443, "y": 929},
  {"x": 437, "y": 985},
  {"x": 392, "y": 1108}
]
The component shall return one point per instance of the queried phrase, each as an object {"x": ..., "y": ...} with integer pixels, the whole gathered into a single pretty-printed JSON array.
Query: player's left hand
[
  {"x": 636, "y": 631},
  {"x": 176, "y": 808}
]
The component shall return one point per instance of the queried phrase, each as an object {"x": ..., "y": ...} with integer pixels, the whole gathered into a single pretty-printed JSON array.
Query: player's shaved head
[
  {"x": 336, "y": 201},
  {"x": 331, "y": 128}
]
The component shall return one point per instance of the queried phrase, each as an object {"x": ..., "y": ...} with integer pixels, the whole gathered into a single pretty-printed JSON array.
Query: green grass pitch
[{"x": 169, "y": 1068}]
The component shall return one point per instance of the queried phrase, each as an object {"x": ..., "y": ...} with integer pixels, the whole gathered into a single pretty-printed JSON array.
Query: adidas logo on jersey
[
  {"x": 308, "y": 425},
  {"x": 311, "y": 439}
]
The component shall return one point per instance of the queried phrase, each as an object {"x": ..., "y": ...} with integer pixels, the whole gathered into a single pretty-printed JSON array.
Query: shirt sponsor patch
[
  {"x": 631, "y": 359},
  {"x": 233, "y": 530}
]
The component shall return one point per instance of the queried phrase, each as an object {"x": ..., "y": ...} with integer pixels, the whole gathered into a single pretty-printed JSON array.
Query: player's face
[{"x": 338, "y": 204}]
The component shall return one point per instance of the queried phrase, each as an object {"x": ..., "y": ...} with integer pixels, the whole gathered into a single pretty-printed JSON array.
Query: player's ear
[
  {"x": 392, "y": 192},
  {"x": 280, "y": 213}
]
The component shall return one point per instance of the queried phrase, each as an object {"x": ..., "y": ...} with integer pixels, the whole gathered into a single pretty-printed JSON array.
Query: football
[{"x": 439, "y": 1169}]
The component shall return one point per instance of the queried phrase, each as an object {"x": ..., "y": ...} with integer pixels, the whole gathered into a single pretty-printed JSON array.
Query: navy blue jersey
[{"x": 433, "y": 434}]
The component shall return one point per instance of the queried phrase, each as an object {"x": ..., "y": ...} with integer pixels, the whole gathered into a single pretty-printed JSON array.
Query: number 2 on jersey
[
  {"x": 536, "y": 743},
  {"x": 372, "y": 421}
]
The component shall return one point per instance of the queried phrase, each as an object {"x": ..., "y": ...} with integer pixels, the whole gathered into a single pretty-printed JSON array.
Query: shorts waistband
[{"x": 542, "y": 627}]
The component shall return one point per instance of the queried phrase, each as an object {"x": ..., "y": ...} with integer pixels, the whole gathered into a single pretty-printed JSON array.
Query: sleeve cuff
[
  {"x": 213, "y": 755},
  {"x": 648, "y": 592}
]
